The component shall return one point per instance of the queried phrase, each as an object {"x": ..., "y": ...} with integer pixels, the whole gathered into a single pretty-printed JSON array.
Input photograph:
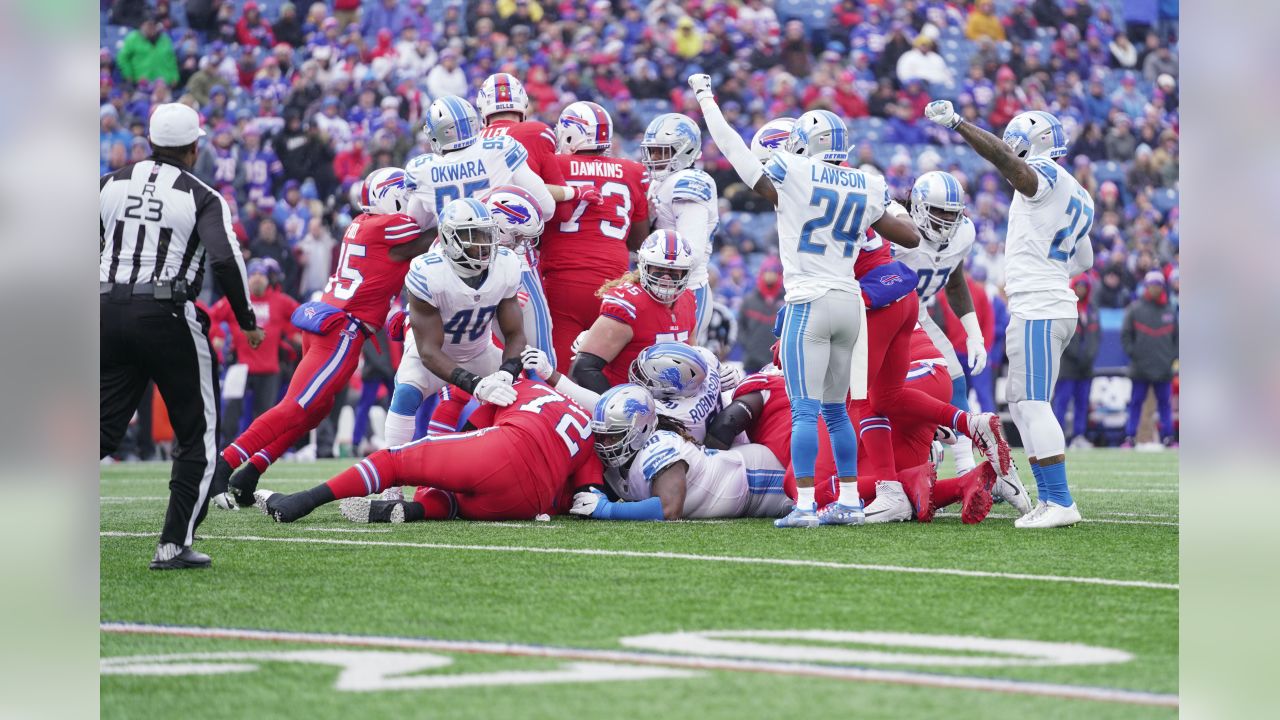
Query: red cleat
[
  {"x": 976, "y": 502},
  {"x": 917, "y": 483}
]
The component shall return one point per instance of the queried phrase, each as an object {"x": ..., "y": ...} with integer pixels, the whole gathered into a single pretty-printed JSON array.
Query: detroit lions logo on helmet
[
  {"x": 671, "y": 376},
  {"x": 632, "y": 408}
]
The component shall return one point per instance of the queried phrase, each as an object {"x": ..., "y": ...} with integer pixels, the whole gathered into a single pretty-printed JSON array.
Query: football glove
[
  {"x": 396, "y": 324},
  {"x": 730, "y": 376},
  {"x": 701, "y": 85},
  {"x": 537, "y": 361},
  {"x": 586, "y": 192},
  {"x": 941, "y": 112},
  {"x": 586, "y": 502},
  {"x": 496, "y": 389},
  {"x": 977, "y": 353}
]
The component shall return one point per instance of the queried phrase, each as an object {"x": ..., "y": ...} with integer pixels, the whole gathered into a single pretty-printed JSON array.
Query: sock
[
  {"x": 804, "y": 438},
  {"x": 448, "y": 415},
  {"x": 234, "y": 455},
  {"x": 1041, "y": 493},
  {"x": 849, "y": 493},
  {"x": 844, "y": 443},
  {"x": 434, "y": 504},
  {"x": 876, "y": 436},
  {"x": 866, "y": 490},
  {"x": 914, "y": 406},
  {"x": 804, "y": 498},
  {"x": 261, "y": 461},
  {"x": 1055, "y": 483},
  {"x": 962, "y": 454},
  {"x": 307, "y": 500},
  {"x": 348, "y": 483},
  {"x": 399, "y": 429},
  {"x": 960, "y": 392},
  {"x": 948, "y": 492}
]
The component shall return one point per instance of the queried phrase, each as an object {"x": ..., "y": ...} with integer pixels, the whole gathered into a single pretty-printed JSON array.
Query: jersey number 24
[{"x": 847, "y": 223}]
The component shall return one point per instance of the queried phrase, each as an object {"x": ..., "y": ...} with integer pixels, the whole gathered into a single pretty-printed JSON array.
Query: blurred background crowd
[{"x": 301, "y": 100}]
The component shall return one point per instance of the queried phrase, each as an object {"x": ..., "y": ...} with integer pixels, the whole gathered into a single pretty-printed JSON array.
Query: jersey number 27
[{"x": 1075, "y": 209}]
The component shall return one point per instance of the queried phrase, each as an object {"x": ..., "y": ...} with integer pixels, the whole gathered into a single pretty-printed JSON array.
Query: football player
[
  {"x": 638, "y": 310},
  {"x": 683, "y": 200},
  {"x": 374, "y": 259},
  {"x": 664, "y": 475},
  {"x": 584, "y": 245},
  {"x": 1046, "y": 245},
  {"x": 456, "y": 291},
  {"x": 534, "y": 454},
  {"x": 824, "y": 212}
]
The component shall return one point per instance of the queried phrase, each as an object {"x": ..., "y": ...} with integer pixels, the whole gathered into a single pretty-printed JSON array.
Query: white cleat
[
  {"x": 962, "y": 455},
  {"x": 393, "y": 494},
  {"x": 260, "y": 498},
  {"x": 224, "y": 501},
  {"x": 891, "y": 504},
  {"x": 1009, "y": 488},
  {"x": 798, "y": 518},
  {"x": 1049, "y": 515}
]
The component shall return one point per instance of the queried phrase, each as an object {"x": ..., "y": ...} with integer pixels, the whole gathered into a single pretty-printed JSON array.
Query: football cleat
[
  {"x": 837, "y": 513},
  {"x": 985, "y": 430},
  {"x": 1009, "y": 488},
  {"x": 891, "y": 504},
  {"x": 798, "y": 518},
  {"x": 280, "y": 507},
  {"x": 975, "y": 503},
  {"x": 364, "y": 510},
  {"x": 393, "y": 494},
  {"x": 243, "y": 484},
  {"x": 1049, "y": 515},
  {"x": 917, "y": 483}
]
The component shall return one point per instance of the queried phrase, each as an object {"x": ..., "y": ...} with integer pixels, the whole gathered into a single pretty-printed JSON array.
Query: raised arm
[
  {"x": 730, "y": 143},
  {"x": 1014, "y": 169}
]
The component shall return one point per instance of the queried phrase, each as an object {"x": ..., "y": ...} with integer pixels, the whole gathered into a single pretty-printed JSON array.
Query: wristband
[
  {"x": 513, "y": 366},
  {"x": 464, "y": 379},
  {"x": 971, "y": 327}
]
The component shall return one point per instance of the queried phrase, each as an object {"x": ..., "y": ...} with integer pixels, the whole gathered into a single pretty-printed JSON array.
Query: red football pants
[
  {"x": 327, "y": 364},
  {"x": 574, "y": 308},
  {"x": 483, "y": 473}
]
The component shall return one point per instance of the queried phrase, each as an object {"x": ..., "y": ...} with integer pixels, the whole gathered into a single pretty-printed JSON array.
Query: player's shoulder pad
[
  {"x": 1046, "y": 168},
  {"x": 417, "y": 169},
  {"x": 508, "y": 264},
  {"x": 966, "y": 235},
  {"x": 423, "y": 275},
  {"x": 509, "y": 149},
  {"x": 776, "y": 167},
  {"x": 619, "y": 304},
  {"x": 693, "y": 185},
  {"x": 660, "y": 451}
]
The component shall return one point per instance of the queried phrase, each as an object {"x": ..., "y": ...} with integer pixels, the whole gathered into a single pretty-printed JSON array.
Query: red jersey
[
  {"x": 273, "y": 310},
  {"x": 367, "y": 279},
  {"x": 773, "y": 427},
  {"x": 650, "y": 322},
  {"x": 981, "y": 305},
  {"x": 874, "y": 253},
  {"x": 592, "y": 239},
  {"x": 560, "y": 447},
  {"x": 538, "y": 140}
]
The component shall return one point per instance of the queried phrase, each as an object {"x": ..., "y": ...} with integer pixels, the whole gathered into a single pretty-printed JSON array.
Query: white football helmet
[
  {"x": 517, "y": 215},
  {"x": 383, "y": 192},
  {"x": 452, "y": 124},
  {"x": 502, "y": 92},
  {"x": 819, "y": 134},
  {"x": 672, "y": 142},
  {"x": 468, "y": 236},
  {"x": 937, "y": 206},
  {"x": 623, "y": 421},
  {"x": 1035, "y": 133},
  {"x": 583, "y": 125},
  {"x": 664, "y": 261},
  {"x": 669, "y": 370},
  {"x": 771, "y": 136}
]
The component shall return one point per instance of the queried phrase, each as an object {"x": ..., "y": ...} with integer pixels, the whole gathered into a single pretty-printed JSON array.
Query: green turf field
[{"x": 323, "y": 618}]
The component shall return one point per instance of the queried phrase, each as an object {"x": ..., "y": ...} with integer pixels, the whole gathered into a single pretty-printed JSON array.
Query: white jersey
[
  {"x": 695, "y": 411},
  {"x": 719, "y": 483},
  {"x": 685, "y": 201},
  {"x": 1044, "y": 232},
  {"x": 935, "y": 265},
  {"x": 823, "y": 215},
  {"x": 468, "y": 173},
  {"x": 467, "y": 312}
]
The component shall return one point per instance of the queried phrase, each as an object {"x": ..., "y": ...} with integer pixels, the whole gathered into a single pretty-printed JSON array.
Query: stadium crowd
[{"x": 303, "y": 100}]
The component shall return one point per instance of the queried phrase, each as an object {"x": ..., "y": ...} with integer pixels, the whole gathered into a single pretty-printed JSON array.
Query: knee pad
[
  {"x": 804, "y": 411},
  {"x": 406, "y": 399},
  {"x": 836, "y": 415}
]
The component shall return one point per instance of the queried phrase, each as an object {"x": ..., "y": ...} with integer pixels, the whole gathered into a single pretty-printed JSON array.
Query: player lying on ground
[
  {"x": 376, "y": 252},
  {"x": 525, "y": 460},
  {"x": 664, "y": 475},
  {"x": 638, "y": 310}
]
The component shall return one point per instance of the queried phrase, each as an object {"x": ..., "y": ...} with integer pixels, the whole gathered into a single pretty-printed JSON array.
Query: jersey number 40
[{"x": 461, "y": 325}]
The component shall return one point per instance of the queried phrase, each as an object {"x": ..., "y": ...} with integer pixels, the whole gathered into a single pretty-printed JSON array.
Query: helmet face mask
[
  {"x": 452, "y": 124},
  {"x": 937, "y": 206},
  {"x": 671, "y": 143},
  {"x": 623, "y": 421},
  {"x": 468, "y": 236},
  {"x": 665, "y": 262}
]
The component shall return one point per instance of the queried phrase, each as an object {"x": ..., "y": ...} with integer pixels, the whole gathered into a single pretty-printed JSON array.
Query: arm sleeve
[
  {"x": 548, "y": 166},
  {"x": 213, "y": 228},
  {"x": 575, "y": 392},
  {"x": 529, "y": 180},
  {"x": 588, "y": 373},
  {"x": 730, "y": 143}
]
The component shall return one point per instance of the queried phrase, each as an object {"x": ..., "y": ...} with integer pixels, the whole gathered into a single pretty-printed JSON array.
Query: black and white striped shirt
[{"x": 158, "y": 221}]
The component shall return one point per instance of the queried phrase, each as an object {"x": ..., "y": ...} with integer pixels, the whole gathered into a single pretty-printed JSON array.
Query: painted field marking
[
  {"x": 685, "y": 556},
  {"x": 352, "y": 529},
  {"x": 131, "y": 498},
  {"x": 856, "y": 674},
  {"x": 1104, "y": 521},
  {"x": 1143, "y": 490},
  {"x": 522, "y": 525}
]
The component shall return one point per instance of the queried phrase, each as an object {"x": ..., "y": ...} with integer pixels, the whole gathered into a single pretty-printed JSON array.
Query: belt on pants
[{"x": 175, "y": 291}]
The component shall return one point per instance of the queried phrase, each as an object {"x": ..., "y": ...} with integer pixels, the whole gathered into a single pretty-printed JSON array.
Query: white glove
[
  {"x": 496, "y": 389},
  {"x": 701, "y": 85},
  {"x": 730, "y": 376},
  {"x": 941, "y": 112},
  {"x": 537, "y": 361},
  {"x": 977, "y": 353},
  {"x": 584, "y": 503}
]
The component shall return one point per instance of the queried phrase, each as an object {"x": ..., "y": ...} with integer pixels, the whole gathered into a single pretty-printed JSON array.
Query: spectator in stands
[
  {"x": 983, "y": 22},
  {"x": 1020, "y": 24},
  {"x": 447, "y": 78},
  {"x": 1160, "y": 62},
  {"x": 315, "y": 256},
  {"x": 922, "y": 62},
  {"x": 1121, "y": 144},
  {"x": 380, "y": 15},
  {"x": 1114, "y": 293},
  {"x": 1142, "y": 174},
  {"x": 148, "y": 55},
  {"x": 1075, "y": 375},
  {"x": 288, "y": 28},
  {"x": 253, "y": 30},
  {"x": 1048, "y": 14},
  {"x": 687, "y": 42},
  {"x": 1123, "y": 54},
  {"x": 109, "y": 133},
  {"x": 1150, "y": 339},
  {"x": 756, "y": 318}
]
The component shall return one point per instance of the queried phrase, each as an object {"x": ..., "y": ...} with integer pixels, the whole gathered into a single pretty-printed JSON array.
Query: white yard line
[
  {"x": 132, "y": 498},
  {"x": 352, "y": 529},
  {"x": 856, "y": 674},
  {"x": 535, "y": 525},
  {"x": 956, "y": 572},
  {"x": 1086, "y": 520},
  {"x": 1164, "y": 490}
]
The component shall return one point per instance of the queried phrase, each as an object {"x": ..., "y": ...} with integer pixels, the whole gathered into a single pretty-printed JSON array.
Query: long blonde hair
[{"x": 631, "y": 276}]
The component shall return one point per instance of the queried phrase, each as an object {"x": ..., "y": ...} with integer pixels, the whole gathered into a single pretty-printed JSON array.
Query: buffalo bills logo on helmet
[
  {"x": 774, "y": 138},
  {"x": 310, "y": 312},
  {"x": 571, "y": 120},
  {"x": 515, "y": 213},
  {"x": 890, "y": 279}
]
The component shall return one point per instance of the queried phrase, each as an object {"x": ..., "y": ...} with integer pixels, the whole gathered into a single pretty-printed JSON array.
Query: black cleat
[
  {"x": 280, "y": 507},
  {"x": 243, "y": 484},
  {"x": 183, "y": 559}
]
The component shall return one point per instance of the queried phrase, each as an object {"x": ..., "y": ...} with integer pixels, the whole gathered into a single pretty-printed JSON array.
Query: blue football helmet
[
  {"x": 1036, "y": 133},
  {"x": 819, "y": 134}
]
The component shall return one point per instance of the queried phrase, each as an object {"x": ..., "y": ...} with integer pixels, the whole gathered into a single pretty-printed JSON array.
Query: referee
[{"x": 158, "y": 221}]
